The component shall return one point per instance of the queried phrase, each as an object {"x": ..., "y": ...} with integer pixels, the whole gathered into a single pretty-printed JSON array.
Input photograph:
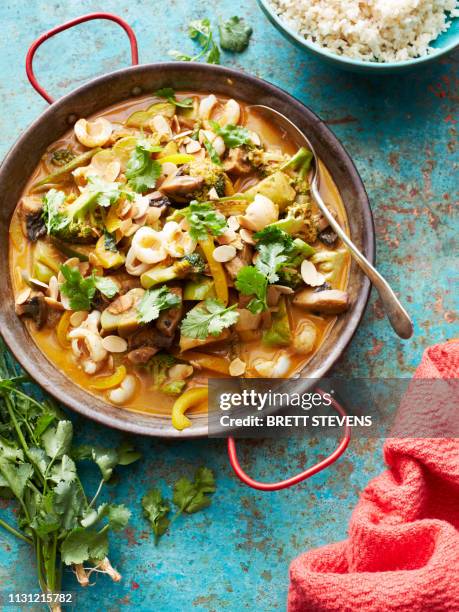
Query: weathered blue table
[{"x": 402, "y": 135}]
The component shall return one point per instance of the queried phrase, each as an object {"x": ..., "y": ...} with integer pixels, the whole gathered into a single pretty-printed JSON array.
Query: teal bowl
[{"x": 445, "y": 43}]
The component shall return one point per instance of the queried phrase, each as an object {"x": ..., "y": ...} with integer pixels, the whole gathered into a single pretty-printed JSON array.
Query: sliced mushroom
[
  {"x": 243, "y": 258},
  {"x": 142, "y": 355},
  {"x": 247, "y": 321},
  {"x": 31, "y": 212},
  {"x": 330, "y": 301},
  {"x": 34, "y": 307},
  {"x": 181, "y": 185},
  {"x": 237, "y": 163},
  {"x": 168, "y": 320}
]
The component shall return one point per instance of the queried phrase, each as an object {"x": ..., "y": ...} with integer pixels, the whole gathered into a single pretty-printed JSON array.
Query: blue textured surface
[{"x": 401, "y": 134}]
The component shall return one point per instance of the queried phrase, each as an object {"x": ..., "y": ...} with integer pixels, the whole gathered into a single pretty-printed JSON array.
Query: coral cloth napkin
[{"x": 403, "y": 547}]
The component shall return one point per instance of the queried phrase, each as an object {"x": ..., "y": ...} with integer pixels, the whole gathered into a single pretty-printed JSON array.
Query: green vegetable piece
[
  {"x": 279, "y": 334},
  {"x": 204, "y": 219},
  {"x": 193, "y": 496},
  {"x": 155, "y": 510},
  {"x": 154, "y": 301},
  {"x": 250, "y": 281},
  {"x": 78, "y": 161},
  {"x": 169, "y": 94},
  {"x": 234, "y": 34},
  {"x": 209, "y": 318},
  {"x": 139, "y": 118},
  {"x": 276, "y": 187},
  {"x": 142, "y": 172},
  {"x": 125, "y": 322},
  {"x": 42, "y": 272},
  {"x": 199, "y": 289},
  {"x": 213, "y": 155},
  {"x": 173, "y": 387},
  {"x": 233, "y": 135},
  {"x": 300, "y": 162},
  {"x": 68, "y": 250}
]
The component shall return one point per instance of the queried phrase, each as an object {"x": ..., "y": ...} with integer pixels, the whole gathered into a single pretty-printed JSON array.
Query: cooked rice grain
[{"x": 378, "y": 30}]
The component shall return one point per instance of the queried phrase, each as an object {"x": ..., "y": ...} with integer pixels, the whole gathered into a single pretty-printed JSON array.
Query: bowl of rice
[{"x": 374, "y": 36}]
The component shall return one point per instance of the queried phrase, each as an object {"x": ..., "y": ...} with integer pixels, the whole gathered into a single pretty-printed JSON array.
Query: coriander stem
[
  {"x": 99, "y": 489},
  {"x": 14, "y": 531}
]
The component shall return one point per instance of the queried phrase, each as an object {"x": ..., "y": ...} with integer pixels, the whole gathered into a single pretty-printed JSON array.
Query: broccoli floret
[
  {"x": 190, "y": 264},
  {"x": 330, "y": 264},
  {"x": 299, "y": 220},
  {"x": 61, "y": 157},
  {"x": 159, "y": 366},
  {"x": 214, "y": 178},
  {"x": 80, "y": 221}
]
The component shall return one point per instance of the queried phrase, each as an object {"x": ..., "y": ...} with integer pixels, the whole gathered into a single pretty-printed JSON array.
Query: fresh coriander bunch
[{"x": 38, "y": 468}]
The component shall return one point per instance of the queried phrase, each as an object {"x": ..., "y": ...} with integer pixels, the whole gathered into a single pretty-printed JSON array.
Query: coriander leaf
[
  {"x": 78, "y": 289},
  {"x": 54, "y": 219},
  {"x": 233, "y": 135},
  {"x": 57, "y": 440},
  {"x": 106, "y": 286},
  {"x": 271, "y": 233},
  {"x": 69, "y": 502},
  {"x": 39, "y": 458},
  {"x": 270, "y": 257},
  {"x": 181, "y": 57},
  {"x": 81, "y": 544},
  {"x": 63, "y": 471},
  {"x": 118, "y": 516},
  {"x": 103, "y": 193},
  {"x": 142, "y": 172},
  {"x": 156, "y": 509},
  {"x": 44, "y": 421},
  {"x": 250, "y": 281},
  {"x": 234, "y": 34},
  {"x": 210, "y": 318},
  {"x": 16, "y": 476},
  {"x": 127, "y": 454},
  {"x": 193, "y": 496},
  {"x": 169, "y": 94},
  {"x": 203, "y": 218},
  {"x": 106, "y": 459},
  {"x": 155, "y": 300},
  {"x": 200, "y": 31},
  {"x": 110, "y": 242}
]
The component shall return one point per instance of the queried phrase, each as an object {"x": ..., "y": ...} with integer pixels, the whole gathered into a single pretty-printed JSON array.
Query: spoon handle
[{"x": 397, "y": 315}]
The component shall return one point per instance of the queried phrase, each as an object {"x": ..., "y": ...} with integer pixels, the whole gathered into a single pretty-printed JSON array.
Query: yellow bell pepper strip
[
  {"x": 108, "y": 382},
  {"x": 208, "y": 362},
  {"x": 177, "y": 158},
  {"x": 187, "y": 400},
  {"x": 112, "y": 221},
  {"x": 216, "y": 269},
  {"x": 108, "y": 259},
  {"x": 63, "y": 328}
]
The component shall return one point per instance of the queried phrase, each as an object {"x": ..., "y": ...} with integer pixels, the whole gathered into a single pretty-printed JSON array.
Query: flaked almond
[
  {"x": 168, "y": 169},
  {"x": 284, "y": 290},
  {"x": 132, "y": 230},
  {"x": 93, "y": 259},
  {"x": 246, "y": 235},
  {"x": 213, "y": 195},
  {"x": 193, "y": 146},
  {"x": 54, "y": 304},
  {"x": 53, "y": 288},
  {"x": 125, "y": 226},
  {"x": 233, "y": 223},
  {"x": 224, "y": 253},
  {"x": 310, "y": 275},
  {"x": 23, "y": 295},
  {"x": 237, "y": 367},
  {"x": 227, "y": 237},
  {"x": 114, "y": 344},
  {"x": 77, "y": 318},
  {"x": 182, "y": 134},
  {"x": 125, "y": 209},
  {"x": 121, "y": 304},
  {"x": 180, "y": 371},
  {"x": 38, "y": 284}
]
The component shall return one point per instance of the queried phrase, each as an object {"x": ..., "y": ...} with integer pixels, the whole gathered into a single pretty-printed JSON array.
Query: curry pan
[{"x": 127, "y": 84}]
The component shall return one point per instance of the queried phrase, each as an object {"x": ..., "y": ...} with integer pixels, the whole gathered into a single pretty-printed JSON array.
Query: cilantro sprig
[
  {"x": 200, "y": 30},
  {"x": 189, "y": 497},
  {"x": 39, "y": 469},
  {"x": 142, "y": 171},
  {"x": 208, "y": 319},
  {"x": 169, "y": 94},
  {"x": 203, "y": 219},
  {"x": 250, "y": 281},
  {"x": 154, "y": 301},
  {"x": 233, "y": 135},
  {"x": 81, "y": 290}
]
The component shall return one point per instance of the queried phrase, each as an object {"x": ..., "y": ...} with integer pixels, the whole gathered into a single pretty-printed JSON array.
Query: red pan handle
[
  {"x": 293, "y": 480},
  {"x": 65, "y": 26}
]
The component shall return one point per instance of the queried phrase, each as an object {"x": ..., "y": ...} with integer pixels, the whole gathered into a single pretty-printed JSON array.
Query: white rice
[{"x": 377, "y": 30}]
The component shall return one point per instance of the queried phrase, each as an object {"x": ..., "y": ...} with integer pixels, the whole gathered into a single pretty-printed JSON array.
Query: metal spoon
[{"x": 397, "y": 315}]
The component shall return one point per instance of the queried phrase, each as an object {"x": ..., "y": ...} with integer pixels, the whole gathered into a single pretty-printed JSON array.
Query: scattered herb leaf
[
  {"x": 200, "y": 31},
  {"x": 155, "y": 300},
  {"x": 142, "y": 172},
  {"x": 169, "y": 94},
  {"x": 208, "y": 319},
  {"x": 250, "y": 281},
  {"x": 81, "y": 290},
  {"x": 203, "y": 218},
  {"x": 234, "y": 34},
  {"x": 193, "y": 496},
  {"x": 156, "y": 509},
  {"x": 233, "y": 135}
]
